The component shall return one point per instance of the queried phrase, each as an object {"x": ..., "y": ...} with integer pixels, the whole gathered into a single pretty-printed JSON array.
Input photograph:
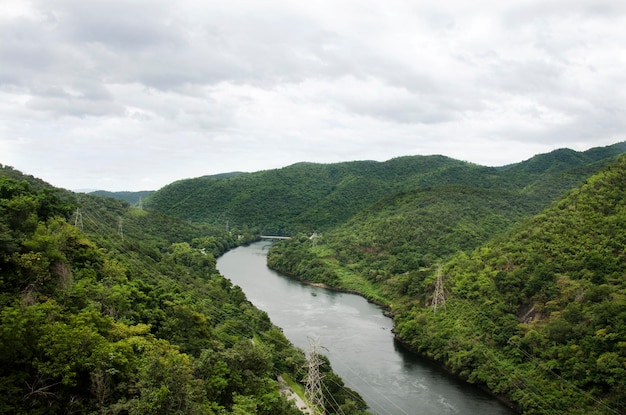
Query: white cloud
[{"x": 132, "y": 95}]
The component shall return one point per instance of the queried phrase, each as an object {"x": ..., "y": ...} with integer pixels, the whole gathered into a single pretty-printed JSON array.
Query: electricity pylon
[
  {"x": 313, "y": 387},
  {"x": 79, "y": 219},
  {"x": 120, "y": 228},
  {"x": 439, "y": 298}
]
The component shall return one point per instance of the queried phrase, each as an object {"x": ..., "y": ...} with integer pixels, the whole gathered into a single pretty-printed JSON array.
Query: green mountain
[
  {"x": 416, "y": 228},
  {"x": 110, "y": 309},
  {"x": 303, "y": 196},
  {"x": 401, "y": 233},
  {"x": 137, "y": 198},
  {"x": 308, "y": 196},
  {"x": 533, "y": 309},
  {"x": 133, "y": 198},
  {"x": 538, "y": 314}
]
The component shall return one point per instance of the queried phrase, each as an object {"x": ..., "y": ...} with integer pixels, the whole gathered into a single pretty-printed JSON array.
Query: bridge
[{"x": 274, "y": 237}]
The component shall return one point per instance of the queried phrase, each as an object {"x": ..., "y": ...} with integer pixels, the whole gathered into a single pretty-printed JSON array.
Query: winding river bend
[{"x": 357, "y": 339}]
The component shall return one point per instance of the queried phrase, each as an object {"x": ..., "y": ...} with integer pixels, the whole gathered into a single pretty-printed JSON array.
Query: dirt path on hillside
[{"x": 292, "y": 396}]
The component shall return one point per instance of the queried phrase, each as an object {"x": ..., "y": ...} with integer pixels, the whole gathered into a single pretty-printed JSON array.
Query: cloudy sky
[{"x": 132, "y": 95}]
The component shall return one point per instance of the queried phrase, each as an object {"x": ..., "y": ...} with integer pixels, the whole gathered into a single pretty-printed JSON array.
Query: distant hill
[
  {"x": 565, "y": 159},
  {"x": 131, "y": 197},
  {"x": 224, "y": 175},
  {"x": 309, "y": 196},
  {"x": 134, "y": 198}
]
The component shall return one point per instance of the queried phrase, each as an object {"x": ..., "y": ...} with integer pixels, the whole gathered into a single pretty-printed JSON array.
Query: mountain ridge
[
  {"x": 311, "y": 196},
  {"x": 532, "y": 259},
  {"x": 534, "y": 312}
]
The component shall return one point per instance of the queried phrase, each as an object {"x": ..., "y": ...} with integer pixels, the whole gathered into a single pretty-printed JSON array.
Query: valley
[{"x": 525, "y": 263}]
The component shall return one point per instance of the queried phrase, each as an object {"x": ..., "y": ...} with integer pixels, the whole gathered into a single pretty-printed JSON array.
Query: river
[{"x": 357, "y": 338}]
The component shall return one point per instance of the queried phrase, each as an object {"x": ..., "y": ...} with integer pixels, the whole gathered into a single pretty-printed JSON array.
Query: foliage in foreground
[{"x": 128, "y": 316}]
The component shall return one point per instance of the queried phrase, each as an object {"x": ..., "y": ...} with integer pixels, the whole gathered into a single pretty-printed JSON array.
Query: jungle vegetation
[
  {"x": 531, "y": 259},
  {"x": 133, "y": 198},
  {"x": 110, "y": 309},
  {"x": 307, "y": 197},
  {"x": 535, "y": 306}
]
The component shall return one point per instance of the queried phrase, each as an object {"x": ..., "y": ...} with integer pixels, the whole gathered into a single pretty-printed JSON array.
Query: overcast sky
[{"x": 132, "y": 95}]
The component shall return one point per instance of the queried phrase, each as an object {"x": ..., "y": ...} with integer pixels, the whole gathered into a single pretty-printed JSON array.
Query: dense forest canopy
[
  {"x": 512, "y": 278},
  {"x": 133, "y": 198},
  {"x": 109, "y": 309},
  {"x": 534, "y": 309},
  {"x": 307, "y": 197}
]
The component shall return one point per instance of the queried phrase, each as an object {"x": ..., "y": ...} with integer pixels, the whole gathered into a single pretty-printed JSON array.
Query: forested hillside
[
  {"x": 303, "y": 196},
  {"x": 109, "y": 309},
  {"x": 133, "y": 198},
  {"x": 401, "y": 233},
  {"x": 537, "y": 314},
  {"x": 316, "y": 197}
]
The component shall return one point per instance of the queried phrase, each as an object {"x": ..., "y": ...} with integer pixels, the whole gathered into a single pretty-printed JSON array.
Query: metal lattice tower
[
  {"x": 439, "y": 298},
  {"x": 79, "y": 219},
  {"x": 314, "y": 238},
  {"x": 120, "y": 228},
  {"x": 313, "y": 387}
]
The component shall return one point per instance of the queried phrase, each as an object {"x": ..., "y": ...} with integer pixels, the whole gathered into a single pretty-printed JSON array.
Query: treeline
[
  {"x": 307, "y": 197},
  {"x": 535, "y": 311},
  {"x": 109, "y": 309},
  {"x": 133, "y": 198}
]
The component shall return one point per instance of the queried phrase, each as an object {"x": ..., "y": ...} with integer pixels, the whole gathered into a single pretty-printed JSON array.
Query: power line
[
  {"x": 336, "y": 406},
  {"x": 533, "y": 393},
  {"x": 219, "y": 313}
]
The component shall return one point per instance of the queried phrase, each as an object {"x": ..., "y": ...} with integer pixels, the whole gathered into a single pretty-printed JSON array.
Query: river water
[{"x": 357, "y": 338}]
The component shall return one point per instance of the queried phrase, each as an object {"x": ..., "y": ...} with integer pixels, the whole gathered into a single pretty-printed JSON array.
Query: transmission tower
[
  {"x": 120, "y": 229},
  {"x": 79, "y": 219},
  {"x": 439, "y": 299},
  {"x": 313, "y": 387},
  {"x": 314, "y": 238}
]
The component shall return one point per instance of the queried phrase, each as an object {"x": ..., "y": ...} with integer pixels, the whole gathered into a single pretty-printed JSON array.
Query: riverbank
[
  {"x": 388, "y": 312},
  {"x": 386, "y": 309},
  {"x": 357, "y": 338},
  {"x": 446, "y": 369}
]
